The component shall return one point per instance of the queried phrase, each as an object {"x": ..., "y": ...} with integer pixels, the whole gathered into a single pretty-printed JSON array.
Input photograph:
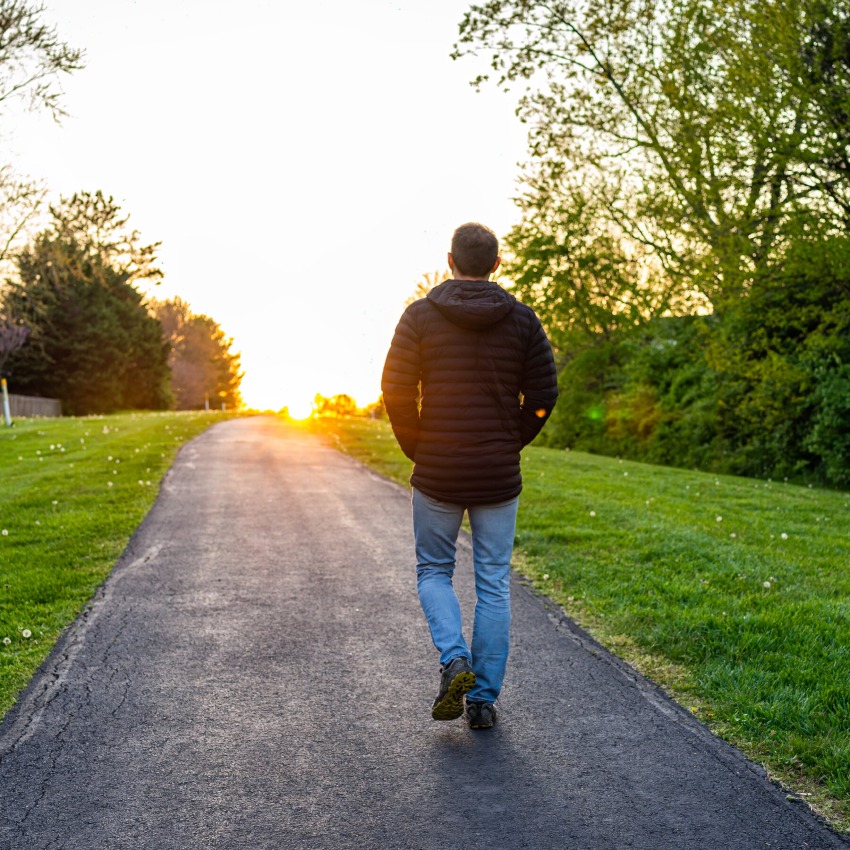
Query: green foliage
[
  {"x": 673, "y": 128},
  {"x": 731, "y": 592},
  {"x": 203, "y": 368},
  {"x": 74, "y": 490},
  {"x": 92, "y": 343},
  {"x": 758, "y": 390},
  {"x": 829, "y": 437}
]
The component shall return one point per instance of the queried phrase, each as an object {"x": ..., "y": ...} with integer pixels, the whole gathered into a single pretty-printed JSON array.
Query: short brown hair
[{"x": 475, "y": 250}]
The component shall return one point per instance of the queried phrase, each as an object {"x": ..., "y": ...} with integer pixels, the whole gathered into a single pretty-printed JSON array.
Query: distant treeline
[{"x": 74, "y": 325}]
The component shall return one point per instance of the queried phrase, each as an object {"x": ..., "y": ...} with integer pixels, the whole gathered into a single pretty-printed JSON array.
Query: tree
[
  {"x": 337, "y": 405},
  {"x": 701, "y": 131},
  {"x": 92, "y": 342},
  {"x": 32, "y": 57},
  {"x": 203, "y": 367},
  {"x": 426, "y": 284},
  {"x": 32, "y": 60}
]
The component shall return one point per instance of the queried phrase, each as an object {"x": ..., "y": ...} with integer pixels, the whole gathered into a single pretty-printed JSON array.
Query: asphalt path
[{"x": 256, "y": 673}]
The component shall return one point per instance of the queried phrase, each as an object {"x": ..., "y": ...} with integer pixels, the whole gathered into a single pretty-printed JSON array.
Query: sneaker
[
  {"x": 457, "y": 681},
  {"x": 481, "y": 715}
]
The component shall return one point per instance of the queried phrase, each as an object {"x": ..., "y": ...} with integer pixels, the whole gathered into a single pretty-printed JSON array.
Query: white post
[{"x": 7, "y": 413}]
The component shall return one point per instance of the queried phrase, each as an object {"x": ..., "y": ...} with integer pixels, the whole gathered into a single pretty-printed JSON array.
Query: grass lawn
[
  {"x": 732, "y": 593},
  {"x": 73, "y": 491}
]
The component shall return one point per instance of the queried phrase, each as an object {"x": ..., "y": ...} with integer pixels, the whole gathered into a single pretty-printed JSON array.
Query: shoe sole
[
  {"x": 450, "y": 707},
  {"x": 478, "y": 724}
]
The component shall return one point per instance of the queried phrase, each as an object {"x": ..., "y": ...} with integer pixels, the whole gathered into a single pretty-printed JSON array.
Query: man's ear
[
  {"x": 451, "y": 262},
  {"x": 496, "y": 264}
]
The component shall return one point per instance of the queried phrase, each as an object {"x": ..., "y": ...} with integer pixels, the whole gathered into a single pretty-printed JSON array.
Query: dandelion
[
  {"x": 593, "y": 513},
  {"x": 5, "y": 532},
  {"x": 545, "y": 576},
  {"x": 55, "y": 502},
  {"x": 719, "y": 519},
  {"x": 7, "y": 640},
  {"x": 784, "y": 536},
  {"x": 765, "y": 584},
  {"x": 625, "y": 474},
  {"x": 27, "y": 633},
  {"x": 20, "y": 457},
  {"x": 108, "y": 483},
  {"x": 733, "y": 535}
]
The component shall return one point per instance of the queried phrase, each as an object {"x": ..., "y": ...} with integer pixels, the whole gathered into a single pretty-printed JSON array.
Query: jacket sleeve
[
  {"x": 400, "y": 383},
  {"x": 539, "y": 384}
]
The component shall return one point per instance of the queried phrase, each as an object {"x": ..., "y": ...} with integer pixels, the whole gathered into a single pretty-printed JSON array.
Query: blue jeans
[{"x": 435, "y": 530}]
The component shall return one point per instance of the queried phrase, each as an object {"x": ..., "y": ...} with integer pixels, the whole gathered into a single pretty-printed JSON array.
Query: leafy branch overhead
[
  {"x": 697, "y": 130},
  {"x": 33, "y": 57}
]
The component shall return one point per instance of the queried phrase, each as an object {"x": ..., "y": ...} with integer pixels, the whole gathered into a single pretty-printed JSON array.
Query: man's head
[{"x": 475, "y": 252}]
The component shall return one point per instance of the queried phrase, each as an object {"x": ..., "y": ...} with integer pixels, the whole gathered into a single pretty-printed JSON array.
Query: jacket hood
[{"x": 472, "y": 304}]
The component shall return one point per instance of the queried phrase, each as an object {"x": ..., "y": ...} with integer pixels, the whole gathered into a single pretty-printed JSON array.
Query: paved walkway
[{"x": 257, "y": 674}]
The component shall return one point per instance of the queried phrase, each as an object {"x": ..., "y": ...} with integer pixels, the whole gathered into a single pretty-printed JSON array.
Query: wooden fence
[{"x": 24, "y": 405}]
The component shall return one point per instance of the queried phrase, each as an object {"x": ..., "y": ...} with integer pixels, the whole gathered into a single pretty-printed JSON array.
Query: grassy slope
[
  {"x": 732, "y": 593},
  {"x": 73, "y": 492}
]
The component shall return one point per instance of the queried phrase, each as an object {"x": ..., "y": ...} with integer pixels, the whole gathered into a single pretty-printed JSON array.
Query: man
[{"x": 468, "y": 381}]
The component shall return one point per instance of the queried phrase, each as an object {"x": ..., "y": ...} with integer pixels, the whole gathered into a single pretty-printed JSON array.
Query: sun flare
[{"x": 300, "y": 410}]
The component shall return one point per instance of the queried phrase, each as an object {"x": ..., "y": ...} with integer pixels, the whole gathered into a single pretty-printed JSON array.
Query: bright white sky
[{"x": 303, "y": 165}]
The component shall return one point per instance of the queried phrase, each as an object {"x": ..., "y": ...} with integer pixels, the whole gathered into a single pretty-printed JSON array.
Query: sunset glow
[{"x": 298, "y": 198}]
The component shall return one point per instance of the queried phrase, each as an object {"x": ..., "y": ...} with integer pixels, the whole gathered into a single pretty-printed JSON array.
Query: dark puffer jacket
[{"x": 475, "y": 350}]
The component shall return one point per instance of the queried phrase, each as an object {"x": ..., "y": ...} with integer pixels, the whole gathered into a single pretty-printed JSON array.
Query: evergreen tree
[{"x": 92, "y": 342}]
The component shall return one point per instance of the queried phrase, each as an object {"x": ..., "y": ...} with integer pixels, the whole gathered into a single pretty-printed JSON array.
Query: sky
[{"x": 302, "y": 164}]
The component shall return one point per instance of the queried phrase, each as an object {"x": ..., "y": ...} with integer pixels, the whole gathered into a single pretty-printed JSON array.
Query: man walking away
[{"x": 468, "y": 381}]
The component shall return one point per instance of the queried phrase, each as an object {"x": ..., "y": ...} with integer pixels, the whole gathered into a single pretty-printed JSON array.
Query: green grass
[
  {"x": 73, "y": 491},
  {"x": 732, "y": 593}
]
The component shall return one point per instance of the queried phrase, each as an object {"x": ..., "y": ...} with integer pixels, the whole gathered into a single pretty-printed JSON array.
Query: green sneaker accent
[{"x": 457, "y": 681}]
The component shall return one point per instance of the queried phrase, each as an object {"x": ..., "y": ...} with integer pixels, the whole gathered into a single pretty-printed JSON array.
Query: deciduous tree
[{"x": 203, "y": 366}]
